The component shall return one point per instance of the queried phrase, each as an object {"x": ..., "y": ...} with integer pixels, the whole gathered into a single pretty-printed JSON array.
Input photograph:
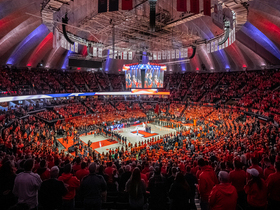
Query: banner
[
  {"x": 116, "y": 54},
  {"x": 223, "y": 45},
  {"x": 173, "y": 54},
  {"x": 111, "y": 54},
  {"x": 113, "y": 5},
  {"x": 212, "y": 46},
  {"x": 177, "y": 53},
  {"x": 208, "y": 47},
  {"x": 72, "y": 47},
  {"x": 129, "y": 55},
  {"x": 94, "y": 52},
  {"x": 168, "y": 55},
  {"x": 186, "y": 53},
  {"x": 182, "y": 55},
  {"x": 229, "y": 38},
  {"x": 68, "y": 46},
  {"x": 159, "y": 55},
  {"x": 181, "y": 5},
  {"x": 125, "y": 55},
  {"x": 100, "y": 52},
  {"x": 207, "y": 7},
  {"x": 62, "y": 42},
  {"x": 163, "y": 55},
  {"x": 220, "y": 46},
  {"x": 216, "y": 45},
  {"x": 119, "y": 55},
  {"x": 155, "y": 55},
  {"x": 127, "y": 5},
  {"x": 56, "y": 43},
  {"x": 102, "y": 6},
  {"x": 151, "y": 56},
  {"x": 76, "y": 47},
  {"x": 195, "y": 6}
]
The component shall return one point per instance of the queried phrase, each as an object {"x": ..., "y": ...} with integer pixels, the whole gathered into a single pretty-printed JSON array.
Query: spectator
[
  {"x": 255, "y": 164},
  {"x": 72, "y": 183},
  {"x": 52, "y": 191},
  {"x": 27, "y": 185},
  {"x": 256, "y": 190},
  {"x": 224, "y": 195},
  {"x": 101, "y": 173},
  {"x": 20, "y": 167},
  {"x": 93, "y": 189},
  {"x": 179, "y": 193},
  {"x": 80, "y": 174},
  {"x": 77, "y": 165},
  {"x": 136, "y": 189},
  {"x": 43, "y": 171},
  {"x": 273, "y": 186},
  {"x": 7, "y": 178},
  {"x": 207, "y": 180},
  {"x": 269, "y": 168},
  {"x": 170, "y": 179},
  {"x": 124, "y": 178},
  {"x": 238, "y": 180},
  {"x": 109, "y": 171},
  {"x": 192, "y": 181},
  {"x": 158, "y": 192}
]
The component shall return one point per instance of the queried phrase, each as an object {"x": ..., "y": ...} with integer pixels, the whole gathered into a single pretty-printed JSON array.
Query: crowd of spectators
[
  {"x": 253, "y": 89},
  {"x": 229, "y": 159},
  {"x": 136, "y": 106},
  {"x": 122, "y": 106},
  {"x": 174, "y": 80},
  {"x": 71, "y": 110},
  {"x": 148, "y": 106},
  {"x": 117, "y": 81},
  {"x": 176, "y": 108},
  {"x": 163, "y": 108},
  {"x": 103, "y": 80},
  {"x": 42, "y": 81},
  {"x": 195, "y": 92},
  {"x": 101, "y": 106},
  {"x": 79, "y": 81},
  {"x": 90, "y": 80},
  {"x": 47, "y": 115}
]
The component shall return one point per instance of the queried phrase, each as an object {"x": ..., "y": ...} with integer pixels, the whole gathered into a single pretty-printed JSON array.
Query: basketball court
[{"x": 103, "y": 144}]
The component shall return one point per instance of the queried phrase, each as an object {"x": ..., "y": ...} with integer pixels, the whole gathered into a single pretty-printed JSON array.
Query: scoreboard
[{"x": 142, "y": 76}]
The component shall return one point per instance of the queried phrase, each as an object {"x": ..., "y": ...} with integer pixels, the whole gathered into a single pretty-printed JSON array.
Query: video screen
[
  {"x": 154, "y": 78},
  {"x": 140, "y": 76},
  {"x": 133, "y": 79}
]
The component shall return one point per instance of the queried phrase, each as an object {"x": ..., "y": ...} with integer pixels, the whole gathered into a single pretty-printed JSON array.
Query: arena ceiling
[{"x": 26, "y": 39}]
